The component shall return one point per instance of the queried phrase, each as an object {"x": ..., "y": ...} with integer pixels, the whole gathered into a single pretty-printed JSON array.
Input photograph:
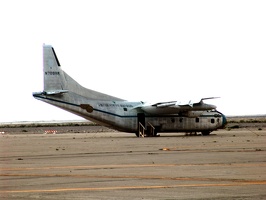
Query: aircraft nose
[{"x": 224, "y": 121}]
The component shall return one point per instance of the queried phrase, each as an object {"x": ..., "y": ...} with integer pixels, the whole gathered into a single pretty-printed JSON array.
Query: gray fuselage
[{"x": 124, "y": 116}]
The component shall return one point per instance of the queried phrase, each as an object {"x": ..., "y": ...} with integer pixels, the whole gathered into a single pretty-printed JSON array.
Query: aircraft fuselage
[{"x": 122, "y": 115}]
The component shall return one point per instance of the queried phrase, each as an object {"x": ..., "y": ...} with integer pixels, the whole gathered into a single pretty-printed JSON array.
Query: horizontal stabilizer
[{"x": 55, "y": 92}]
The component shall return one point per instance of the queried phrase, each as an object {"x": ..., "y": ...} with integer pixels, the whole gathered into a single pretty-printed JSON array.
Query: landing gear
[{"x": 205, "y": 133}]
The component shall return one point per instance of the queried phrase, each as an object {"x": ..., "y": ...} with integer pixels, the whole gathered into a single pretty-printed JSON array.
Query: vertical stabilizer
[
  {"x": 56, "y": 81},
  {"x": 53, "y": 75}
]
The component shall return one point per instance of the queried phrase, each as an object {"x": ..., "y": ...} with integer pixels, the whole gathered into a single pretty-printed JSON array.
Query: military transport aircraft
[{"x": 141, "y": 118}]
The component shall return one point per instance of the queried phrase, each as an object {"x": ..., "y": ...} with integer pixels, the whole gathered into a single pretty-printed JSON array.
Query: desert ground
[{"x": 87, "y": 161}]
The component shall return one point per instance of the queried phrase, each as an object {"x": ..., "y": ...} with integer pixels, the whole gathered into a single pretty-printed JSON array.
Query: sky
[{"x": 137, "y": 50}]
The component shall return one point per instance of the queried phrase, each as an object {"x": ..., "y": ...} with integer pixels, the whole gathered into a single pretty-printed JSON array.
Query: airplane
[{"x": 143, "y": 119}]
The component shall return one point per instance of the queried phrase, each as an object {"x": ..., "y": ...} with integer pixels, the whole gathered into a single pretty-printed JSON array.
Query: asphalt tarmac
[{"x": 113, "y": 165}]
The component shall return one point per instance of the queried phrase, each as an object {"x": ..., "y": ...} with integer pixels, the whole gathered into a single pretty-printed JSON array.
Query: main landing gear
[{"x": 205, "y": 133}]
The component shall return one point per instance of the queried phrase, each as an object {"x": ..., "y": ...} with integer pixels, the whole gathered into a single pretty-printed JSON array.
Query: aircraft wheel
[
  {"x": 137, "y": 134},
  {"x": 205, "y": 133}
]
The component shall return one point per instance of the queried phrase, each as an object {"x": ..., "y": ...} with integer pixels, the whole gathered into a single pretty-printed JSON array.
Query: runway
[{"x": 225, "y": 165}]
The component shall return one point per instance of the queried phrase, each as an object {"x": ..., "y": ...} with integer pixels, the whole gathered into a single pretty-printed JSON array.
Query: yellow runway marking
[{"x": 137, "y": 187}]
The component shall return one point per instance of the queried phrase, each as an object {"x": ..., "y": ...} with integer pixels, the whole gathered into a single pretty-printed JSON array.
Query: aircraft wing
[{"x": 176, "y": 107}]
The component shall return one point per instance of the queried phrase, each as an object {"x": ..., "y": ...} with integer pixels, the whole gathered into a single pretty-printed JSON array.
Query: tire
[{"x": 205, "y": 133}]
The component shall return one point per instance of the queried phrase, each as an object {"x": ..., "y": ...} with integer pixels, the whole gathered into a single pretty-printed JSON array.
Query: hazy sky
[{"x": 135, "y": 50}]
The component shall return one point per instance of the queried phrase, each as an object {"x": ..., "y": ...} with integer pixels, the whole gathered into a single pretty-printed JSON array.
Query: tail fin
[
  {"x": 56, "y": 81},
  {"x": 53, "y": 76}
]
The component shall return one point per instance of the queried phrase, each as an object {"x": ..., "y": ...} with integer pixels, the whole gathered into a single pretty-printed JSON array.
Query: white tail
[
  {"x": 56, "y": 81},
  {"x": 52, "y": 74}
]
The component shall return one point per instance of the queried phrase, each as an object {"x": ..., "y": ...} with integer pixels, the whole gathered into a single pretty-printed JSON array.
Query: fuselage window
[
  {"x": 212, "y": 121},
  {"x": 197, "y": 120},
  {"x": 125, "y": 109}
]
